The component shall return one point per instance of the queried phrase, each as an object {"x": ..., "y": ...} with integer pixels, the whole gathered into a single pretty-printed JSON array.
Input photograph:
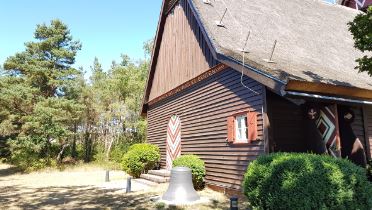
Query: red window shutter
[
  {"x": 230, "y": 129},
  {"x": 252, "y": 126}
]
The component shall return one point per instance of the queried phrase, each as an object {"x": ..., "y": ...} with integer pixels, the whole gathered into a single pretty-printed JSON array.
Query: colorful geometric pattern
[
  {"x": 360, "y": 3},
  {"x": 173, "y": 140},
  {"x": 328, "y": 127}
]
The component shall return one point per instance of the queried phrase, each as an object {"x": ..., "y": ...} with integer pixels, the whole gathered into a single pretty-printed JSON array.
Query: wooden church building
[{"x": 234, "y": 79}]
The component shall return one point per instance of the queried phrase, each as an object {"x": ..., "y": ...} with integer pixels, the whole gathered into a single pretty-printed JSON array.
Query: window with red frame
[{"x": 242, "y": 127}]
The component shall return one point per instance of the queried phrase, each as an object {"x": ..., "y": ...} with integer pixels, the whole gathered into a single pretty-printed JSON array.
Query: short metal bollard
[
  {"x": 129, "y": 185},
  {"x": 234, "y": 203},
  {"x": 107, "y": 178}
]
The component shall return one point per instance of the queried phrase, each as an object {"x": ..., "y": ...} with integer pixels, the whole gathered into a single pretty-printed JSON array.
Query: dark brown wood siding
[
  {"x": 286, "y": 121},
  {"x": 358, "y": 125},
  {"x": 368, "y": 126},
  {"x": 183, "y": 53},
  {"x": 203, "y": 109}
]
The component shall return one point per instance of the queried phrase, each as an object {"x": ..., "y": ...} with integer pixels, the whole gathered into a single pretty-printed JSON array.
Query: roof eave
[{"x": 329, "y": 89}]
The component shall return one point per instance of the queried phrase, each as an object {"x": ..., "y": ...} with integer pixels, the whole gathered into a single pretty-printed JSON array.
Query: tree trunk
[
  {"x": 60, "y": 154},
  {"x": 73, "y": 149},
  {"x": 109, "y": 146},
  {"x": 88, "y": 146}
]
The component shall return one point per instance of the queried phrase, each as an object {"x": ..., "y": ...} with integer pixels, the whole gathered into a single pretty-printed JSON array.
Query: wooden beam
[
  {"x": 338, "y": 135},
  {"x": 170, "y": 5},
  {"x": 267, "y": 80},
  {"x": 366, "y": 133},
  {"x": 328, "y": 89},
  {"x": 266, "y": 122}
]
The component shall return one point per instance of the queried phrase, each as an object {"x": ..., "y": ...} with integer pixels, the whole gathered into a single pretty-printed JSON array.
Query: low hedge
[
  {"x": 306, "y": 181},
  {"x": 197, "y": 168},
  {"x": 140, "y": 158}
]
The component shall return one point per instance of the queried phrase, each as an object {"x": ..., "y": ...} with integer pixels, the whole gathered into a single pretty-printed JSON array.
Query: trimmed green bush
[
  {"x": 306, "y": 181},
  {"x": 140, "y": 158},
  {"x": 197, "y": 167}
]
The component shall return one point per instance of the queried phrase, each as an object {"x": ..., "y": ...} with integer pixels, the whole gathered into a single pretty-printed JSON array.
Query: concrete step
[
  {"x": 155, "y": 178},
  {"x": 145, "y": 182},
  {"x": 161, "y": 172}
]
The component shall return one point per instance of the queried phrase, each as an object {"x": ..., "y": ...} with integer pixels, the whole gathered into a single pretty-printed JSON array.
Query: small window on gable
[{"x": 242, "y": 127}]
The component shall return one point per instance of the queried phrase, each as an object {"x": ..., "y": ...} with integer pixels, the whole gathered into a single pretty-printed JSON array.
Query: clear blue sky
[{"x": 106, "y": 28}]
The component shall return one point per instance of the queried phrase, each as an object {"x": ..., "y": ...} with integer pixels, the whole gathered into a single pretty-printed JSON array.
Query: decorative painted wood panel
[
  {"x": 328, "y": 127},
  {"x": 173, "y": 141},
  {"x": 183, "y": 53},
  {"x": 204, "y": 109},
  {"x": 357, "y": 4}
]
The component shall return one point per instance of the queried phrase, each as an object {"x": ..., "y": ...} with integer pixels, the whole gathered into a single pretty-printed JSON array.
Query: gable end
[{"x": 183, "y": 53}]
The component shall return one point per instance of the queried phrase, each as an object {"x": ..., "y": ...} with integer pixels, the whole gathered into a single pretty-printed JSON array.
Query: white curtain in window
[{"x": 241, "y": 127}]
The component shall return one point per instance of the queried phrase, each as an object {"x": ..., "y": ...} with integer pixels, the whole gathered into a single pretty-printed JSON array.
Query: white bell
[{"x": 180, "y": 189}]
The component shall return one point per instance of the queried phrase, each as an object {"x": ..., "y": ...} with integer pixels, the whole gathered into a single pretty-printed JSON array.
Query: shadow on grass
[
  {"x": 10, "y": 171},
  {"x": 76, "y": 197},
  {"x": 85, "y": 197}
]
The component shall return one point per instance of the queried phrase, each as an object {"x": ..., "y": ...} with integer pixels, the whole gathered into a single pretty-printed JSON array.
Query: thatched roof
[{"x": 313, "y": 41}]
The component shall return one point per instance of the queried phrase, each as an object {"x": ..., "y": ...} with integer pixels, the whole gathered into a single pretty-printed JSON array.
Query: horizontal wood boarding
[
  {"x": 203, "y": 109},
  {"x": 185, "y": 85},
  {"x": 286, "y": 121},
  {"x": 183, "y": 53},
  {"x": 368, "y": 120}
]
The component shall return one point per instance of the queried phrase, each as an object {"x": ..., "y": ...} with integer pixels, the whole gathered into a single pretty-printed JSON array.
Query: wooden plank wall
[
  {"x": 203, "y": 109},
  {"x": 368, "y": 126},
  {"x": 286, "y": 121},
  {"x": 170, "y": 4},
  {"x": 358, "y": 125},
  {"x": 183, "y": 54}
]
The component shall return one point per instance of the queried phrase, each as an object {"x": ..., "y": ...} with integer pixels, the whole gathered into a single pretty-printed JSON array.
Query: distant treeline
[{"x": 50, "y": 114}]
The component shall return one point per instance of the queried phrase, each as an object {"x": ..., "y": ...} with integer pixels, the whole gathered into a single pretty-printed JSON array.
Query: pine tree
[
  {"x": 39, "y": 96},
  {"x": 47, "y": 62}
]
